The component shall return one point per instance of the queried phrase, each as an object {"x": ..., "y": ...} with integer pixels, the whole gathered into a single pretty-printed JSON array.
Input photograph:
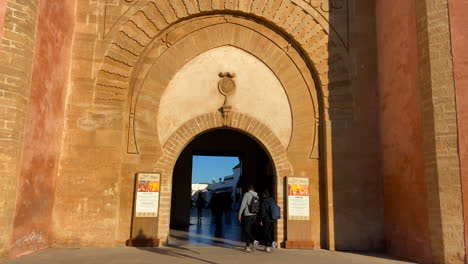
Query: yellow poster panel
[
  {"x": 298, "y": 199},
  {"x": 147, "y": 197}
]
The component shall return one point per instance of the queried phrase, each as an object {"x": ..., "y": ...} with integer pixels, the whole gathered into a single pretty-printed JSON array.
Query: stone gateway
[{"x": 360, "y": 103}]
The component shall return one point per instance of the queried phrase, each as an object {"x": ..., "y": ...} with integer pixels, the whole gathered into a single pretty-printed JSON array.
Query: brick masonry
[
  {"x": 16, "y": 55},
  {"x": 239, "y": 121},
  {"x": 2, "y": 16},
  {"x": 440, "y": 135},
  {"x": 459, "y": 40}
]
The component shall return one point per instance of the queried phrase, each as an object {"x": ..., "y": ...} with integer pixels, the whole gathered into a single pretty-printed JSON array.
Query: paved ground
[
  {"x": 207, "y": 231},
  {"x": 194, "y": 254},
  {"x": 203, "y": 242}
]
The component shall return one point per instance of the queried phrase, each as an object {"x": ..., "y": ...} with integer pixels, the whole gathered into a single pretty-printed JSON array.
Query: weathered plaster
[
  {"x": 43, "y": 131},
  {"x": 17, "y": 46},
  {"x": 406, "y": 216}
]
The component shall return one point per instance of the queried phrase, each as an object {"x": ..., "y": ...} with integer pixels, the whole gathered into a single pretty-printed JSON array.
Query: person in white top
[{"x": 251, "y": 200}]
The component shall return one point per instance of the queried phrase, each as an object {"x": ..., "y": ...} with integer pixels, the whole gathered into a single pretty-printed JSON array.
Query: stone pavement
[{"x": 194, "y": 254}]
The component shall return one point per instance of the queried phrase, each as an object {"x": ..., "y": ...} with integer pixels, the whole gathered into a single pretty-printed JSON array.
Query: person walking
[
  {"x": 267, "y": 219},
  {"x": 200, "y": 206},
  {"x": 249, "y": 208},
  {"x": 228, "y": 208}
]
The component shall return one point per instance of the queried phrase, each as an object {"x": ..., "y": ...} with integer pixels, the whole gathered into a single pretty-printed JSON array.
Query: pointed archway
[
  {"x": 242, "y": 123},
  {"x": 223, "y": 197}
]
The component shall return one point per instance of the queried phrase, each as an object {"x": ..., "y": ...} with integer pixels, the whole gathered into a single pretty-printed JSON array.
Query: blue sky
[{"x": 206, "y": 168}]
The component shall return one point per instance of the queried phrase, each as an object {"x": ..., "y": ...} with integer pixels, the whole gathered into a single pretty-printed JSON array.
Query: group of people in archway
[
  {"x": 255, "y": 214},
  {"x": 220, "y": 203},
  {"x": 265, "y": 212}
]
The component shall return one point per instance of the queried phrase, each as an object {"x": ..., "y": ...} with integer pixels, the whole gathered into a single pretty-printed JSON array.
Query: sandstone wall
[
  {"x": 420, "y": 172},
  {"x": 121, "y": 46},
  {"x": 440, "y": 133},
  {"x": 16, "y": 56},
  {"x": 347, "y": 128},
  {"x": 459, "y": 41},
  {"x": 43, "y": 129},
  {"x": 2, "y": 16},
  {"x": 357, "y": 182},
  {"x": 406, "y": 215}
]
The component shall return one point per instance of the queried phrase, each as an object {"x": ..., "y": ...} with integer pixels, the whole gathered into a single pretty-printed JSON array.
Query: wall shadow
[
  {"x": 354, "y": 182},
  {"x": 178, "y": 252}
]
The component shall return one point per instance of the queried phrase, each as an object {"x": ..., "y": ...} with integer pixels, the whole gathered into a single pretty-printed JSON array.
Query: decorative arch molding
[
  {"x": 112, "y": 21},
  {"x": 303, "y": 31},
  {"x": 288, "y": 67},
  {"x": 189, "y": 130}
]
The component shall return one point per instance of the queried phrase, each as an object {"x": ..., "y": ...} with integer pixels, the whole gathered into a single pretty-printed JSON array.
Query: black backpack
[{"x": 254, "y": 205}]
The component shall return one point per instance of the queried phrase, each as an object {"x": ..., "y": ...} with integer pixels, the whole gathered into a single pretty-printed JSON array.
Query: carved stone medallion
[{"x": 226, "y": 85}]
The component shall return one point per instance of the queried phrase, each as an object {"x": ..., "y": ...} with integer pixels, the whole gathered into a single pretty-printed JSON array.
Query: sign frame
[
  {"x": 147, "y": 194},
  {"x": 144, "y": 228}
]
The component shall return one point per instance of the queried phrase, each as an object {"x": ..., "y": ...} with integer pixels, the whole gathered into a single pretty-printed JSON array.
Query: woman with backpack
[{"x": 269, "y": 214}]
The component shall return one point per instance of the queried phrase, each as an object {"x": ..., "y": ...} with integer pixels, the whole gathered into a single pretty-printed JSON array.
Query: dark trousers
[
  {"x": 200, "y": 211},
  {"x": 249, "y": 223},
  {"x": 268, "y": 230}
]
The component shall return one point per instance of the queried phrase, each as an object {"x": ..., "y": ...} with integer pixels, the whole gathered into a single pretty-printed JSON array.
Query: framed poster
[
  {"x": 298, "y": 199},
  {"x": 147, "y": 197}
]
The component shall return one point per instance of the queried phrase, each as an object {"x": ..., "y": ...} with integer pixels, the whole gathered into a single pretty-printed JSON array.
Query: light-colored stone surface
[
  {"x": 194, "y": 254},
  {"x": 194, "y": 91},
  {"x": 440, "y": 134},
  {"x": 459, "y": 41}
]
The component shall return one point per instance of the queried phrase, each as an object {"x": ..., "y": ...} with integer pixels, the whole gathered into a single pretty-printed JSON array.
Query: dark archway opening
[{"x": 256, "y": 168}]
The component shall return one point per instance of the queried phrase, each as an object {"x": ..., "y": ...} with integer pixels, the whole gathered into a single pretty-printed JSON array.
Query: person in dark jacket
[{"x": 266, "y": 220}]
